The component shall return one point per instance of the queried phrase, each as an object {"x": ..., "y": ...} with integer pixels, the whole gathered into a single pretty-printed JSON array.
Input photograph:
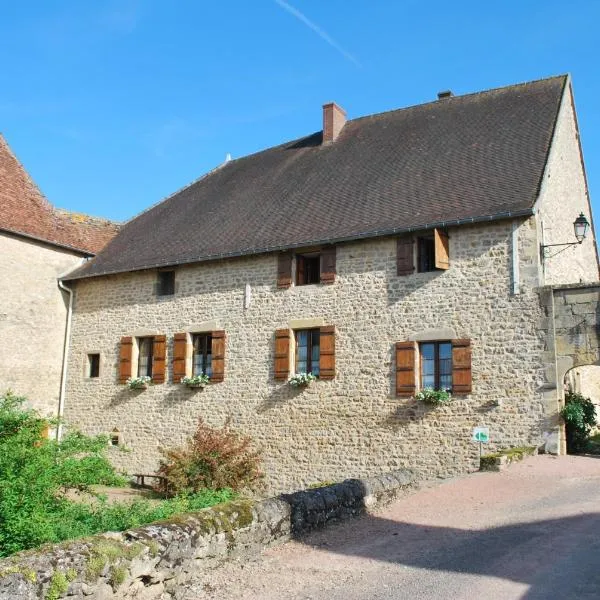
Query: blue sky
[{"x": 114, "y": 104}]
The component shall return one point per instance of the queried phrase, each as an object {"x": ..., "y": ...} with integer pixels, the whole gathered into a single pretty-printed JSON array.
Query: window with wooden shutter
[
  {"x": 328, "y": 266},
  {"x": 125, "y": 357},
  {"x": 284, "y": 270},
  {"x": 218, "y": 356},
  {"x": 405, "y": 264},
  {"x": 461, "y": 367},
  {"x": 282, "y": 354},
  {"x": 406, "y": 381},
  {"x": 442, "y": 253},
  {"x": 159, "y": 353},
  {"x": 180, "y": 349},
  {"x": 327, "y": 352}
]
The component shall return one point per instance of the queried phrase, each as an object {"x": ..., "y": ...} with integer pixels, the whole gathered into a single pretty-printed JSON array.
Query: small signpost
[{"x": 481, "y": 435}]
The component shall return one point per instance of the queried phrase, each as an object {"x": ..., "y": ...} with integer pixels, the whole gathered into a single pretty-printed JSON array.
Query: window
[
  {"x": 93, "y": 365},
  {"x": 145, "y": 351},
  {"x": 165, "y": 283},
  {"x": 436, "y": 365},
  {"x": 308, "y": 351},
  {"x": 426, "y": 254},
  {"x": 115, "y": 437},
  {"x": 202, "y": 354},
  {"x": 308, "y": 269}
]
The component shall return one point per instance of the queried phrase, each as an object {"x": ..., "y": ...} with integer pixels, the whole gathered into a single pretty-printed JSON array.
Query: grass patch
[{"x": 488, "y": 461}]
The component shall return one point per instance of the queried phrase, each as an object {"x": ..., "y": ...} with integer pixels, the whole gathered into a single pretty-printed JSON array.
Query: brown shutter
[
  {"x": 284, "y": 270},
  {"x": 159, "y": 352},
  {"x": 125, "y": 353},
  {"x": 327, "y": 352},
  {"x": 405, "y": 264},
  {"x": 461, "y": 366},
  {"x": 300, "y": 270},
  {"x": 405, "y": 368},
  {"x": 218, "y": 356},
  {"x": 180, "y": 344},
  {"x": 282, "y": 354},
  {"x": 328, "y": 255},
  {"x": 442, "y": 254}
]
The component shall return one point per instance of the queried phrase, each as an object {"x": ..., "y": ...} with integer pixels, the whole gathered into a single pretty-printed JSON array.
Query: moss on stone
[
  {"x": 512, "y": 454},
  {"x": 29, "y": 574},
  {"x": 59, "y": 584},
  {"x": 107, "y": 552}
]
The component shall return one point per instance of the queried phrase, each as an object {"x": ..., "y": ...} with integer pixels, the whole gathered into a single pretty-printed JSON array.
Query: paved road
[{"x": 532, "y": 532}]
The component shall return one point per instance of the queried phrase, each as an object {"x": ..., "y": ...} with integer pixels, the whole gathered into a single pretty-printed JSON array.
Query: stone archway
[{"x": 571, "y": 329}]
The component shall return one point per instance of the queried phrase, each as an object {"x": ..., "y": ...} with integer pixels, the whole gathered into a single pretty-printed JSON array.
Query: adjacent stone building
[
  {"x": 385, "y": 254},
  {"x": 38, "y": 243}
]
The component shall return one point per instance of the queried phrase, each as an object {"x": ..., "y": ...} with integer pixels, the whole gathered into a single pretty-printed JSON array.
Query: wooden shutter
[
  {"x": 442, "y": 253},
  {"x": 284, "y": 270},
  {"x": 218, "y": 356},
  {"x": 159, "y": 352},
  {"x": 125, "y": 354},
  {"x": 282, "y": 354},
  {"x": 180, "y": 345},
  {"x": 461, "y": 366},
  {"x": 327, "y": 352},
  {"x": 328, "y": 256},
  {"x": 406, "y": 383},
  {"x": 405, "y": 263}
]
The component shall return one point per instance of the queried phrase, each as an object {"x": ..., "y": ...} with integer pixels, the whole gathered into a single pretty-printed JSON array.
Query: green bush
[
  {"x": 36, "y": 473},
  {"x": 579, "y": 415},
  {"x": 212, "y": 459}
]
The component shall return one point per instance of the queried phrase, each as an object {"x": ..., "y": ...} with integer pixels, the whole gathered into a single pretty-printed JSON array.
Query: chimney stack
[
  {"x": 445, "y": 94},
  {"x": 334, "y": 119}
]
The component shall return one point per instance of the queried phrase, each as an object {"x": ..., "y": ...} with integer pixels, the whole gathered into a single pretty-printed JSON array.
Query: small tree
[
  {"x": 579, "y": 414},
  {"x": 214, "y": 458}
]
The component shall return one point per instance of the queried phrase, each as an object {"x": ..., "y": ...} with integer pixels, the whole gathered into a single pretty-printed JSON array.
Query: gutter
[{"x": 350, "y": 238}]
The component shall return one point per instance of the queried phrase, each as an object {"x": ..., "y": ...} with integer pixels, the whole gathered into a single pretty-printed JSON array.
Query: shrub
[
  {"x": 435, "y": 397},
  {"x": 213, "y": 458},
  {"x": 579, "y": 414}
]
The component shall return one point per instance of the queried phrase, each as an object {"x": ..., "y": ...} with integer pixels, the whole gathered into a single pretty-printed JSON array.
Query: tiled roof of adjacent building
[
  {"x": 25, "y": 211},
  {"x": 459, "y": 159}
]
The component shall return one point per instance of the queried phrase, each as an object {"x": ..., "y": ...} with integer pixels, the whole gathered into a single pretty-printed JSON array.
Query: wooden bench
[{"x": 140, "y": 480}]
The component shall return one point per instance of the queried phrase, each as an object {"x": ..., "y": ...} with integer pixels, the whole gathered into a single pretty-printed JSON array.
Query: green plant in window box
[
  {"x": 195, "y": 381},
  {"x": 434, "y": 397},
  {"x": 139, "y": 383},
  {"x": 302, "y": 379}
]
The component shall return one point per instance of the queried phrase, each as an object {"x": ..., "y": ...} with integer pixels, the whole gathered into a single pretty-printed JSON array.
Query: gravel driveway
[{"x": 530, "y": 532}]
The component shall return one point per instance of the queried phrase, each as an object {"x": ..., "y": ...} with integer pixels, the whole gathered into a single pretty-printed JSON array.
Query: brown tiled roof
[
  {"x": 460, "y": 159},
  {"x": 24, "y": 210}
]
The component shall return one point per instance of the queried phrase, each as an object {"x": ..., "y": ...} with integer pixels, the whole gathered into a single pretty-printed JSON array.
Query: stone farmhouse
[
  {"x": 38, "y": 244},
  {"x": 384, "y": 254}
]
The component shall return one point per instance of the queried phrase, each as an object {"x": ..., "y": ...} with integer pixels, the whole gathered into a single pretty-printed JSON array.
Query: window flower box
[
  {"x": 196, "y": 381},
  {"x": 300, "y": 380},
  {"x": 434, "y": 397},
  {"x": 139, "y": 383}
]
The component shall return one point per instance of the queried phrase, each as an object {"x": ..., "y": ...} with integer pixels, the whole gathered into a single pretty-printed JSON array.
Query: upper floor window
[
  {"x": 308, "y": 268},
  {"x": 202, "y": 354},
  {"x": 145, "y": 351},
  {"x": 425, "y": 254},
  {"x": 436, "y": 365},
  {"x": 308, "y": 351},
  {"x": 305, "y": 268},
  {"x": 165, "y": 285},
  {"x": 432, "y": 253}
]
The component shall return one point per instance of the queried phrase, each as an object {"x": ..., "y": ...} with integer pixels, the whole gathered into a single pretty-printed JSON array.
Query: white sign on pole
[{"x": 481, "y": 434}]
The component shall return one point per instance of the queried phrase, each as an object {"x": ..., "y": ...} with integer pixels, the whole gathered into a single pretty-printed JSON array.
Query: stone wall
[
  {"x": 155, "y": 560},
  {"x": 563, "y": 195},
  {"x": 32, "y": 319},
  {"x": 354, "y": 425}
]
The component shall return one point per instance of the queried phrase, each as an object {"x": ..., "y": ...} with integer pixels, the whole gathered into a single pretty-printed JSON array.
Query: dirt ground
[{"x": 531, "y": 532}]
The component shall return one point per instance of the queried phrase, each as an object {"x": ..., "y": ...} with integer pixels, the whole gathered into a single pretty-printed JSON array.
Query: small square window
[
  {"x": 308, "y": 268},
  {"x": 308, "y": 351},
  {"x": 93, "y": 365},
  {"x": 436, "y": 365},
  {"x": 165, "y": 283},
  {"x": 145, "y": 352}
]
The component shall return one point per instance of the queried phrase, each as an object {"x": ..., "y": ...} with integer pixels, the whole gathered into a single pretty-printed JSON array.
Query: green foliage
[
  {"x": 435, "y": 397},
  {"x": 579, "y": 415},
  {"x": 35, "y": 474},
  {"x": 59, "y": 584},
  {"x": 212, "y": 459}
]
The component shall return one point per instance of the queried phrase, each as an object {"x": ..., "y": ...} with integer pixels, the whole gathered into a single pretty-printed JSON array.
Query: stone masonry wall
[
  {"x": 32, "y": 319},
  {"x": 155, "y": 560},
  {"x": 354, "y": 425},
  {"x": 562, "y": 197}
]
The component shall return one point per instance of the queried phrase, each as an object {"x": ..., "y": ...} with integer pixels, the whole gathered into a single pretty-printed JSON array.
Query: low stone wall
[
  {"x": 153, "y": 561},
  {"x": 500, "y": 460}
]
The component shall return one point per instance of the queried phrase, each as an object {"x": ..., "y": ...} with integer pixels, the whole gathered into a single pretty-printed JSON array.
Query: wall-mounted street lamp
[{"x": 580, "y": 226}]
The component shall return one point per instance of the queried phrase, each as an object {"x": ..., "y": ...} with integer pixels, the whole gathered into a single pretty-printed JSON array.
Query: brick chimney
[{"x": 334, "y": 119}]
